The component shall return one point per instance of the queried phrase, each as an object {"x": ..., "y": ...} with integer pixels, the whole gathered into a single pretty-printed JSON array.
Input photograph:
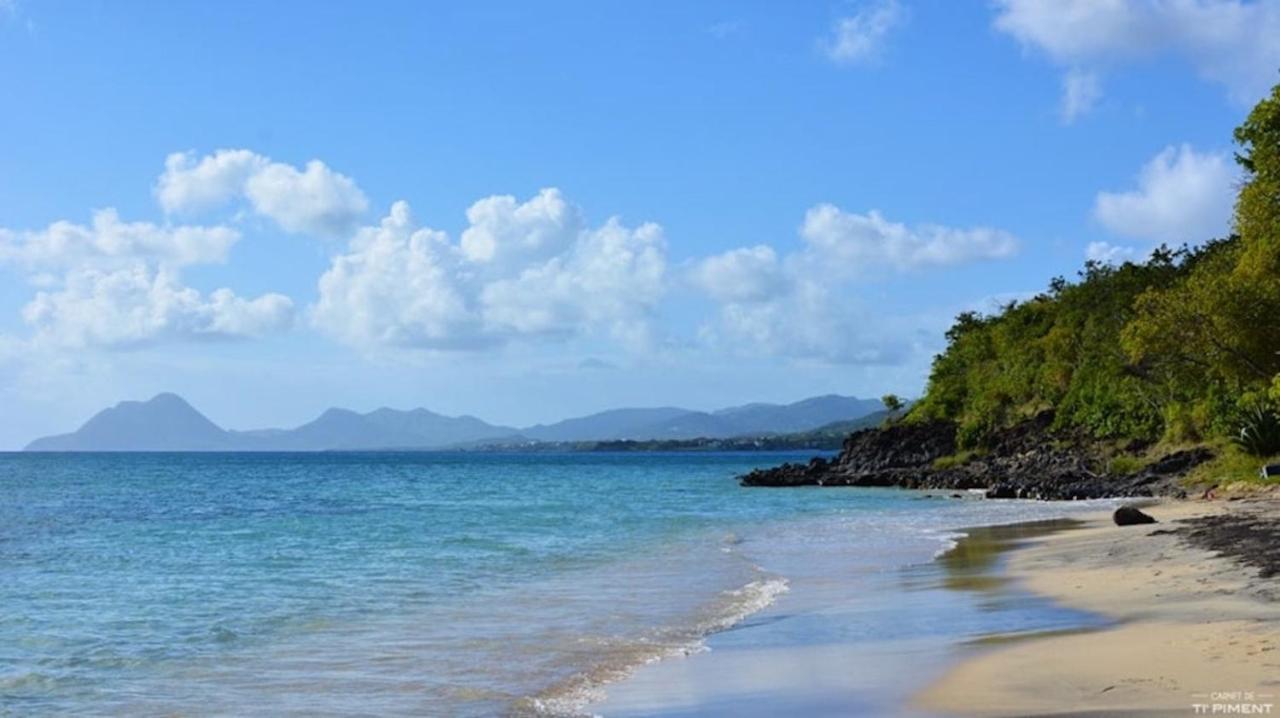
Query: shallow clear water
[{"x": 438, "y": 583}]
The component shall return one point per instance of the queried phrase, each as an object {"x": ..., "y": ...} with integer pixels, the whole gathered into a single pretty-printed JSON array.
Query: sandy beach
[{"x": 1195, "y": 632}]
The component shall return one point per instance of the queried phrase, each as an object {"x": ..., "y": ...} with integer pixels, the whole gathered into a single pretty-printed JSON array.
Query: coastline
[
  {"x": 852, "y": 639},
  {"x": 1190, "y": 627}
]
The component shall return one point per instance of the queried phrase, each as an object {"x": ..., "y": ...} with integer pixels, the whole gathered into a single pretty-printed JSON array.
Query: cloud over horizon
[
  {"x": 805, "y": 305},
  {"x": 519, "y": 270},
  {"x": 117, "y": 284},
  {"x": 530, "y": 270}
]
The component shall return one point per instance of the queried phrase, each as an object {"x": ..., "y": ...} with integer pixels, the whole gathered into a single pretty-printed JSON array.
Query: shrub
[
  {"x": 959, "y": 458},
  {"x": 1123, "y": 465},
  {"x": 1260, "y": 433}
]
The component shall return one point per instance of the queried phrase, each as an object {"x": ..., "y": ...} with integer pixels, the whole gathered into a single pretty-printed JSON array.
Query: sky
[{"x": 528, "y": 211}]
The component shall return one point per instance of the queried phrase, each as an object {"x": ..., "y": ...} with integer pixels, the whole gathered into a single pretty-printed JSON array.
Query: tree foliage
[{"x": 1183, "y": 345}]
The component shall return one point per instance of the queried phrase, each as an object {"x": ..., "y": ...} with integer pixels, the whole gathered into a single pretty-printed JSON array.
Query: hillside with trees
[
  {"x": 1163, "y": 362},
  {"x": 1181, "y": 348}
]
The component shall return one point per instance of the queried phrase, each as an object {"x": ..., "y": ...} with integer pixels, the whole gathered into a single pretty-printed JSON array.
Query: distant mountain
[
  {"x": 168, "y": 423},
  {"x": 614, "y": 424},
  {"x": 385, "y": 429},
  {"x": 801, "y": 416},
  {"x": 165, "y": 423},
  {"x": 670, "y": 423}
]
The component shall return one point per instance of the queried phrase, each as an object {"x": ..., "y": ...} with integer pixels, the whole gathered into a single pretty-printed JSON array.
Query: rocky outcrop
[{"x": 1026, "y": 461}]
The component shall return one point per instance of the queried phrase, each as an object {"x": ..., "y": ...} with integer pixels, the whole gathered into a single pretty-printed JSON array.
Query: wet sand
[
  {"x": 859, "y": 646},
  {"x": 1193, "y": 631}
]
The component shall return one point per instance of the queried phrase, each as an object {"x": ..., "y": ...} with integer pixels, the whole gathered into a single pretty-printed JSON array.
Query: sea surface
[{"x": 450, "y": 584}]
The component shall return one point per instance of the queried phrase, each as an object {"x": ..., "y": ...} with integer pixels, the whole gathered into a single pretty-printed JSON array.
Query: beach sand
[{"x": 1191, "y": 628}]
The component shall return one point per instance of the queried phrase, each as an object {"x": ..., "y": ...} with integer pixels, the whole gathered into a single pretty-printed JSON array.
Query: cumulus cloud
[
  {"x": 868, "y": 240},
  {"x": 503, "y": 232},
  {"x": 741, "y": 275},
  {"x": 860, "y": 37},
  {"x": 313, "y": 200},
  {"x": 113, "y": 283},
  {"x": 1108, "y": 253},
  {"x": 108, "y": 240},
  {"x": 811, "y": 320},
  {"x": 520, "y": 269},
  {"x": 802, "y": 305},
  {"x": 137, "y": 304},
  {"x": 1181, "y": 196},
  {"x": 1229, "y": 42}
]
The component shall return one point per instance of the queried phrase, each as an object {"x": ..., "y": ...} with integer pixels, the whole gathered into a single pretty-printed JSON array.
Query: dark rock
[
  {"x": 1002, "y": 491},
  {"x": 1130, "y": 516},
  {"x": 1026, "y": 461}
]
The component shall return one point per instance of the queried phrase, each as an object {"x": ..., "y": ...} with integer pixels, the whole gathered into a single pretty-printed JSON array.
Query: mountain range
[{"x": 168, "y": 423}]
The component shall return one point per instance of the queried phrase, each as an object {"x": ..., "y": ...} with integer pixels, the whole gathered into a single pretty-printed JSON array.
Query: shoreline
[
  {"x": 846, "y": 644},
  {"x": 1191, "y": 630}
]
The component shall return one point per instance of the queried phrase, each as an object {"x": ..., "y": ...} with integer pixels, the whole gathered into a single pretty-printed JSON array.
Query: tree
[
  {"x": 892, "y": 403},
  {"x": 1258, "y": 204}
]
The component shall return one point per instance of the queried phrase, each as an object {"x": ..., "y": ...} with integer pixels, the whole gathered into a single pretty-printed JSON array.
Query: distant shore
[{"x": 1193, "y": 627}]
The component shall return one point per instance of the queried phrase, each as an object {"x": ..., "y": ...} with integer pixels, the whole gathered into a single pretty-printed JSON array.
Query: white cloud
[
  {"x": 745, "y": 274},
  {"x": 188, "y": 185},
  {"x": 519, "y": 270},
  {"x": 136, "y": 304},
  {"x": 1182, "y": 196},
  {"x": 115, "y": 284},
  {"x": 1108, "y": 253},
  {"x": 861, "y": 241},
  {"x": 1080, "y": 92},
  {"x": 314, "y": 200},
  {"x": 504, "y": 232},
  {"x": 612, "y": 277},
  {"x": 811, "y": 320},
  {"x": 108, "y": 240},
  {"x": 803, "y": 306},
  {"x": 1229, "y": 42},
  {"x": 860, "y": 37}
]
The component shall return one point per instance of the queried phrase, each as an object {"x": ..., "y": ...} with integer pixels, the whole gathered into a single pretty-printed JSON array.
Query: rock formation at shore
[{"x": 1024, "y": 461}]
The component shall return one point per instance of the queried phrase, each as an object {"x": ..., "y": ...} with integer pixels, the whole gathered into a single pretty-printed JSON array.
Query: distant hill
[
  {"x": 165, "y": 423},
  {"x": 169, "y": 423},
  {"x": 613, "y": 424},
  {"x": 829, "y": 437},
  {"x": 338, "y": 429},
  {"x": 670, "y": 423}
]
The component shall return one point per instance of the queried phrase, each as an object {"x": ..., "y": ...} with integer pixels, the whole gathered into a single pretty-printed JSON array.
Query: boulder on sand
[{"x": 1130, "y": 516}]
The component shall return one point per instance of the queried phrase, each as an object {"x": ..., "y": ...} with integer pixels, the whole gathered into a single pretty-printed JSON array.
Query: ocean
[{"x": 450, "y": 584}]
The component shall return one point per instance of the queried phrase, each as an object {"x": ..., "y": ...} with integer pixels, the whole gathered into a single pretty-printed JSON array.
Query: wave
[{"x": 570, "y": 697}]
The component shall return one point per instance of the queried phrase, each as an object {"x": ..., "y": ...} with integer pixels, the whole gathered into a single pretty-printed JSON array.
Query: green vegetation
[
  {"x": 1260, "y": 435},
  {"x": 1181, "y": 348},
  {"x": 892, "y": 403},
  {"x": 1122, "y": 464},
  {"x": 1230, "y": 465},
  {"x": 960, "y": 458}
]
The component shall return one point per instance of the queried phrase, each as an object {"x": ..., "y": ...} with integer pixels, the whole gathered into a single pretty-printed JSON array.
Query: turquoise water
[{"x": 415, "y": 584}]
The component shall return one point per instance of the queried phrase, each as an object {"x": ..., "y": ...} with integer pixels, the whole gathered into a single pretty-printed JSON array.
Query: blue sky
[{"x": 604, "y": 204}]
